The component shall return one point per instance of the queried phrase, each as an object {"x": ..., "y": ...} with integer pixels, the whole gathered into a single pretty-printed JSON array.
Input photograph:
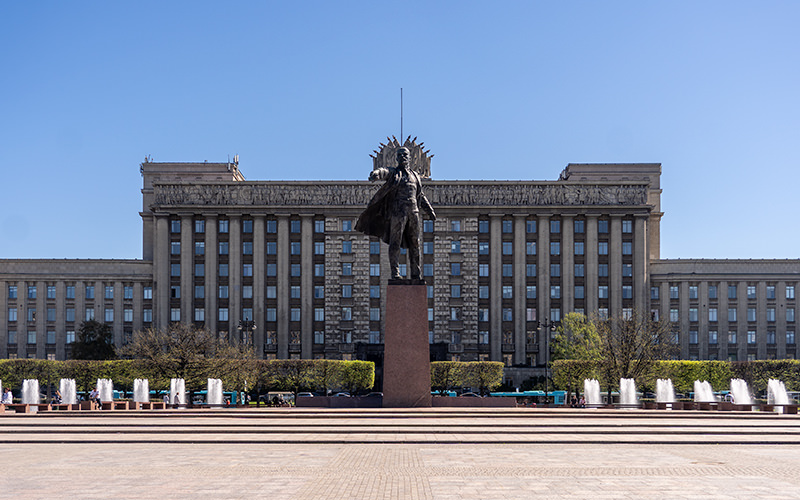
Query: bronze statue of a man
[{"x": 393, "y": 213}]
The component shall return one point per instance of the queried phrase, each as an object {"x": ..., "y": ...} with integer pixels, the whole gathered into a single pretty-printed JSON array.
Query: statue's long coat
[{"x": 376, "y": 219}]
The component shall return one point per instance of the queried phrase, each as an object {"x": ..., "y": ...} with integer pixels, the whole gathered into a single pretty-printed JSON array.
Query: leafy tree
[
  {"x": 95, "y": 340},
  {"x": 446, "y": 375},
  {"x": 483, "y": 375},
  {"x": 326, "y": 374},
  {"x": 577, "y": 339},
  {"x": 358, "y": 376},
  {"x": 290, "y": 374}
]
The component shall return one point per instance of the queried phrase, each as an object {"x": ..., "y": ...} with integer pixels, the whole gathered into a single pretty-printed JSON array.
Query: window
[
  {"x": 347, "y": 291},
  {"x": 294, "y": 314},
  {"x": 31, "y": 336},
  {"x": 71, "y": 292},
  {"x": 731, "y": 314},
  {"x": 751, "y": 292},
  {"x": 530, "y": 314},
  {"x": 272, "y": 314},
  {"x": 89, "y": 291},
  {"x": 374, "y": 337},
  {"x": 674, "y": 315},
  {"x": 654, "y": 315},
  {"x": 712, "y": 337},
  {"x": 223, "y": 225},
  {"x": 147, "y": 315},
  {"x": 127, "y": 315},
  {"x": 70, "y": 314},
  {"x": 770, "y": 292},
  {"x": 319, "y": 337},
  {"x": 455, "y": 269},
  {"x": 530, "y": 292},
  {"x": 223, "y": 314},
  {"x": 294, "y": 247},
  {"x": 751, "y": 314},
  {"x": 483, "y": 270},
  {"x": 483, "y": 226},
  {"x": 555, "y": 270},
  {"x": 771, "y": 337},
  {"x": 654, "y": 290},
  {"x": 627, "y": 270},
  {"x": 347, "y": 268},
  {"x": 508, "y": 270},
  {"x": 175, "y": 226},
  {"x": 579, "y": 248},
  {"x": 319, "y": 269},
  {"x": 555, "y": 248},
  {"x": 12, "y": 291},
  {"x": 790, "y": 291},
  {"x": 51, "y": 291},
  {"x": 508, "y": 314},
  {"x": 602, "y": 291},
  {"x": 602, "y": 226},
  {"x": 790, "y": 314},
  {"x": 508, "y": 292},
  {"x": 627, "y": 292},
  {"x": 199, "y": 314},
  {"x": 693, "y": 292},
  {"x": 375, "y": 314},
  {"x": 751, "y": 336},
  {"x": 272, "y": 226},
  {"x": 247, "y": 292},
  {"x": 555, "y": 315},
  {"x": 70, "y": 336},
  {"x": 223, "y": 291},
  {"x": 272, "y": 291},
  {"x": 319, "y": 226},
  {"x": 693, "y": 336},
  {"x": 627, "y": 226},
  {"x": 347, "y": 225},
  {"x": 12, "y": 314},
  {"x": 247, "y": 226},
  {"x": 175, "y": 314},
  {"x": 375, "y": 269},
  {"x": 771, "y": 314},
  {"x": 712, "y": 314},
  {"x": 455, "y": 291},
  {"x": 693, "y": 314},
  {"x": 51, "y": 314},
  {"x": 579, "y": 270},
  {"x": 455, "y": 225},
  {"x": 294, "y": 292},
  {"x": 579, "y": 292},
  {"x": 731, "y": 291},
  {"x": 712, "y": 291},
  {"x": 223, "y": 269},
  {"x": 530, "y": 248},
  {"x": 455, "y": 246},
  {"x": 175, "y": 292},
  {"x": 375, "y": 247},
  {"x": 579, "y": 226},
  {"x": 247, "y": 248},
  {"x": 200, "y": 269},
  {"x": 199, "y": 226},
  {"x": 272, "y": 247},
  {"x": 508, "y": 248},
  {"x": 347, "y": 314},
  {"x": 374, "y": 291},
  {"x": 430, "y": 314},
  {"x": 627, "y": 248},
  {"x": 347, "y": 337},
  {"x": 674, "y": 292},
  {"x": 483, "y": 314},
  {"x": 247, "y": 269},
  {"x": 508, "y": 226},
  {"x": 602, "y": 248},
  {"x": 223, "y": 248},
  {"x": 555, "y": 292},
  {"x": 12, "y": 338},
  {"x": 427, "y": 226},
  {"x": 602, "y": 270},
  {"x": 790, "y": 336},
  {"x": 427, "y": 248},
  {"x": 174, "y": 270},
  {"x": 455, "y": 337},
  {"x": 427, "y": 269},
  {"x": 455, "y": 314},
  {"x": 127, "y": 292},
  {"x": 319, "y": 314},
  {"x": 175, "y": 248},
  {"x": 555, "y": 226}
]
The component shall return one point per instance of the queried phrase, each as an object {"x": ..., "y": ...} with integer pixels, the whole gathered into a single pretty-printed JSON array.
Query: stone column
[
  {"x": 702, "y": 317},
  {"x": 259, "y": 284},
  {"x": 683, "y": 308},
  {"x": 187, "y": 271},
  {"x": 641, "y": 285},
  {"x": 138, "y": 306},
  {"x": 722, "y": 319},
  {"x": 4, "y": 317},
  {"x": 495, "y": 287},
  {"x": 61, "y": 319},
  {"x": 543, "y": 287},
  {"x": 41, "y": 319},
  {"x": 519, "y": 289},
  {"x": 119, "y": 314},
  {"x": 283, "y": 286},
  {"x": 761, "y": 320},
  {"x": 235, "y": 276},
  {"x": 780, "y": 319},
  {"x": 615, "y": 267},
  {"x": 591, "y": 267},
  {"x": 307, "y": 285},
  {"x": 161, "y": 272},
  {"x": 568, "y": 264},
  {"x": 212, "y": 263}
]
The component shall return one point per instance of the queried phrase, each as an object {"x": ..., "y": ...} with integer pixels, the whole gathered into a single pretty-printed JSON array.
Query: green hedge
[{"x": 482, "y": 376}]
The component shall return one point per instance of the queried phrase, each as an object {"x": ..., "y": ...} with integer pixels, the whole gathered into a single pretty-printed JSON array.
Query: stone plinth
[{"x": 406, "y": 360}]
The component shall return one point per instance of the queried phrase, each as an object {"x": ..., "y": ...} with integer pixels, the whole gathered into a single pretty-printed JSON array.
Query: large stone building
[{"x": 277, "y": 263}]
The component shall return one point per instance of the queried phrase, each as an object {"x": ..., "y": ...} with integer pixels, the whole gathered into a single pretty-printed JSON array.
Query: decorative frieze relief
[{"x": 352, "y": 194}]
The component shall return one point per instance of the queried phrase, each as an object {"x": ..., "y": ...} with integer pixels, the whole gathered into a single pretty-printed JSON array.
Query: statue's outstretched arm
[
  {"x": 426, "y": 206},
  {"x": 379, "y": 174}
]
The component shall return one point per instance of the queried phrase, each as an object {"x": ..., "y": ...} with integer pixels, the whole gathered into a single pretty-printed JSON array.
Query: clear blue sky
[{"x": 496, "y": 90}]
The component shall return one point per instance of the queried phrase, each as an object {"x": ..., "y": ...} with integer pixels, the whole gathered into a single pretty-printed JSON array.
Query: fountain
[
  {"x": 177, "y": 390},
  {"x": 141, "y": 390},
  {"x": 30, "y": 392},
  {"x": 214, "y": 396},
  {"x": 591, "y": 392},
  {"x": 69, "y": 394},
  {"x": 703, "y": 392},
  {"x": 665, "y": 393},
  {"x": 740, "y": 392},
  {"x": 627, "y": 392},
  {"x": 776, "y": 393},
  {"x": 106, "y": 389}
]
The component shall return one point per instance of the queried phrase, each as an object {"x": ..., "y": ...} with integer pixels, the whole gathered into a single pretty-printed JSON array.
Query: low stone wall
[
  {"x": 338, "y": 402},
  {"x": 436, "y": 402},
  {"x": 490, "y": 402}
]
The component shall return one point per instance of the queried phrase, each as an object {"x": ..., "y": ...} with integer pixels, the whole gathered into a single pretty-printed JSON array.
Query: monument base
[{"x": 406, "y": 358}]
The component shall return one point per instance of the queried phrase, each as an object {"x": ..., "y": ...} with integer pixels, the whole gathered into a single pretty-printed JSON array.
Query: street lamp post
[
  {"x": 246, "y": 328},
  {"x": 544, "y": 326}
]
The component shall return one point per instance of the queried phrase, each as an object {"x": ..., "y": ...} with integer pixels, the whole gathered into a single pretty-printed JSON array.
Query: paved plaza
[{"x": 385, "y": 454}]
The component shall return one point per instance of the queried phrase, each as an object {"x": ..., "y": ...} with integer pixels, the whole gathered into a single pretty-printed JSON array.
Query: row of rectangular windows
[
  {"x": 752, "y": 312},
  {"x": 674, "y": 292},
  {"x": 108, "y": 292},
  {"x": 713, "y": 337}
]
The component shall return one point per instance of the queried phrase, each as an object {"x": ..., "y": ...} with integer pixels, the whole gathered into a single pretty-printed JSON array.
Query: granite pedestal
[{"x": 406, "y": 360}]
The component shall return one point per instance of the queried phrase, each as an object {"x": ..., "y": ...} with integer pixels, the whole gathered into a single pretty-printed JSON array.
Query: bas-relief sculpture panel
[{"x": 347, "y": 194}]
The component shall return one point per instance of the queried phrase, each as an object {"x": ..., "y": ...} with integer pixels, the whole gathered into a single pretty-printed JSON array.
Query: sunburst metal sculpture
[{"x": 419, "y": 158}]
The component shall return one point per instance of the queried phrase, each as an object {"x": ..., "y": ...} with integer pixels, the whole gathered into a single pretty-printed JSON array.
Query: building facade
[{"x": 278, "y": 264}]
